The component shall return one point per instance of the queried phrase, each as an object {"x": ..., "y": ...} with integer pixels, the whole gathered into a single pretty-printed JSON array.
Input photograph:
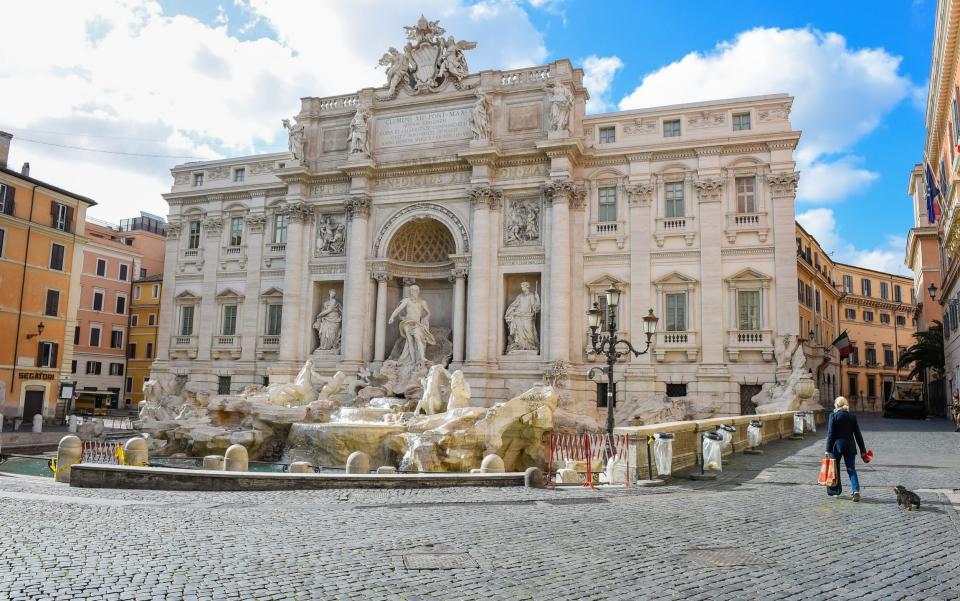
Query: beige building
[{"x": 818, "y": 298}]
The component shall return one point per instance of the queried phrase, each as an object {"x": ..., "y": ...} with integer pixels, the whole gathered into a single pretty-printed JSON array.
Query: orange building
[
  {"x": 144, "y": 326},
  {"x": 42, "y": 233},
  {"x": 923, "y": 253}
]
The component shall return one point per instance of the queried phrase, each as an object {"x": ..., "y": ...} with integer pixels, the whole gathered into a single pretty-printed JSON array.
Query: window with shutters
[
  {"x": 887, "y": 356},
  {"x": 47, "y": 354},
  {"x": 850, "y": 313},
  {"x": 885, "y": 318},
  {"x": 673, "y": 199},
  {"x": 116, "y": 339},
  {"x": 60, "y": 216},
  {"x": 884, "y": 291},
  {"x": 151, "y": 319},
  {"x": 865, "y": 287},
  {"x": 122, "y": 276},
  {"x": 149, "y": 350},
  {"x": 94, "y": 367},
  {"x": 868, "y": 316},
  {"x": 6, "y": 199},
  {"x": 155, "y": 291},
  {"x": 3, "y": 238},
  {"x": 52, "y": 306},
  {"x": 132, "y": 350},
  {"x": 848, "y": 284},
  {"x": 897, "y": 293},
  {"x": 136, "y": 293},
  {"x": 901, "y": 320},
  {"x": 129, "y": 384},
  {"x": 98, "y": 295},
  {"x": 143, "y": 272},
  {"x": 607, "y": 208},
  {"x": 56, "y": 256},
  {"x": 94, "y": 335},
  {"x": 871, "y": 355},
  {"x": 274, "y": 315},
  {"x": 76, "y": 335},
  {"x": 121, "y": 304},
  {"x": 116, "y": 369},
  {"x": 101, "y": 267}
]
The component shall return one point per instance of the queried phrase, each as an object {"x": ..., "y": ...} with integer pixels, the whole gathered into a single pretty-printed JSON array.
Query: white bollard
[
  {"x": 135, "y": 452},
  {"x": 38, "y": 423},
  {"x": 69, "y": 453},
  {"x": 492, "y": 464},
  {"x": 358, "y": 463},
  {"x": 213, "y": 462},
  {"x": 236, "y": 459}
]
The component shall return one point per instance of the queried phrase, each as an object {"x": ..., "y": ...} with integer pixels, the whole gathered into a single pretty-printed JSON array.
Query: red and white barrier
[{"x": 587, "y": 447}]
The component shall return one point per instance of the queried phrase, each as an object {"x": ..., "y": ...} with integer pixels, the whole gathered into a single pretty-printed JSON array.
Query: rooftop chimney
[
  {"x": 4, "y": 147},
  {"x": 25, "y": 170}
]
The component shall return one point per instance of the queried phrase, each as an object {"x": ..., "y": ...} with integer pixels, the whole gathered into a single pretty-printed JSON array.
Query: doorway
[
  {"x": 747, "y": 392},
  {"x": 32, "y": 405}
]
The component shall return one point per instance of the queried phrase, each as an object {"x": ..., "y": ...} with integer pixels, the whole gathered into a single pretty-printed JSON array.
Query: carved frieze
[
  {"x": 216, "y": 173},
  {"x": 261, "y": 167},
  {"x": 537, "y": 170},
  {"x": 331, "y": 235},
  {"x": 525, "y": 259},
  {"x": 783, "y": 184},
  {"x": 640, "y": 194},
  {"x": 523, "y": 224},
  {"x": 328, "y": 269},
  {"x": 773, "y": 113},
  {"x": 639, "y": 127},
  {"x": 357, "y": 206},
  {"x": 706, "y": 119},
  {"x": 328, "y": 188},
  {"x": 181, "y": 179},
  {"x": 710, "y": 189},
  {"x": 421, "y": 180}
]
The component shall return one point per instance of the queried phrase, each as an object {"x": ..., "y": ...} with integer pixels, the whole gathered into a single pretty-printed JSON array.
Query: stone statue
[
  {"x": 358, "y": 132},
  {"x": 398, "y": 66},
  {"x": 334, "y": 386},
  {"x": 524, "y": 226},
  {"x": 520, "y": 317},
  {"x": 331, "y": 236},
  {"x": 459, "y": 392},
  {"x": 479, "y": 118},
  {"x": 784, "y": 350},
  {"x": 431, "y": 402},
  {"x": 296, "y": 140},
  {"x": 561, "y": 101},
  {"x": 414, "y": 327},
  {"x": 452, "y": 59},
  {"x": 327, "y": 323},
  {"x": 427, "y": 60},
  {"x": 300, "y": 392}
]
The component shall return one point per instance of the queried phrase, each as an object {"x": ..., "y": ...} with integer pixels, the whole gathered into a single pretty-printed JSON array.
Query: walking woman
[{"x": 843, "y": 438}]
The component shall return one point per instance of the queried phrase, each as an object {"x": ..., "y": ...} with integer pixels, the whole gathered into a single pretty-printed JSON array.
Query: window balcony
[
  {"x": 607, "y": 230},
  {"x": 267, "y": 345},
  {"x": 749, "y": 340},
  {"x": 233, "y": 256},
  {"x": 226, "y": 347},
  {"x": 681, "y": 227},
  {"x": 683, "y": 342},
  {"x": 739, "y": 223},
  {"x": 274, "y": 251},
  {"x": 183, "y": 347},
  {"x": 191, "y": 257}
]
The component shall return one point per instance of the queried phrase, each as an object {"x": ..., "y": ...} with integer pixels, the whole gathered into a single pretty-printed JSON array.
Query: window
[
  {"x": 855, "y": 356},
  {"x": 673, "y": 199},
  {"x": 671, "y": 128},
  {"x": 56, "y": 256},
  {"x": 885, "y": 318},
  {"x": 817, "y": 300},
  {"x": 155, "y": 291},
  {"x": 608, "y": 135},
  {"x": 76, "y": 335},
  {"x": 143, "y": 272},
  {"x": 93, "y": 367},
  {"x": 129, "y": 385},
  {"x": 186, "y": 320},
  {"x": 123, "y": 273},
  {"x": 741, "y": 121},
  {"x": 608, "y": 204},
  {"x": 52, "y": 307},
  {"x": 274, "y": 315},
  {"x": 279, "y": 229},
  {"x": 121, "y": 304},
  {"x": 850, "y": 313},
  {"x": 136, "y": 293},
  {"x": 871, "y": 355},
  {"x": 897, "y": 293},
  {"x": 98, "y": 300},
  {"x": 193, "y": 237},
  {"x": 676, "y": 390},
  {"x": 116, "y": 369},
  {"x": 852, "y": 384},
  {"x": 901, "y": 320},
  {"x": 676, "y": 312},
  {"x": 73, "y": 366},
  {"x": 151, "y": 319},
  {"x": 149, "y": 350},
  {"x": 223, "y": 385},
  {"x": 94, "y": 335},
  {"x": 229, "y": 320},
  {"x": 868, "y": 316},
  {"x": 236, "y": 231},
  {"x": 748, "y": 309},
  {"x": 800, "y": 294},
  {"x": 887, "y": 357},
  {"x": 47, "y": 354},
  {"x": 116, "y": 339},
  {"x": 6, "y": 199},
  {"x": 746, "y": 197},
  {"x": 865, "y": 287},
  {"x": 60, "y": 216},
  {"x": 848, "y": 284},
  {"x": 3, "y": 235},
  {"x": 101, "y": 267},
  {"x": 884, "y": 291},
  {"x": 239, "y": 174},
  {"x": 871, "y": 386},
  {"x": 132, "y": 350},
  {"x": 197, "y": 179}
]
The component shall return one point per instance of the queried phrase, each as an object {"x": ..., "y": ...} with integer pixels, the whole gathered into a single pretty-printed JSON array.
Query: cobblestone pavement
[{"x": 785, "y": 538}]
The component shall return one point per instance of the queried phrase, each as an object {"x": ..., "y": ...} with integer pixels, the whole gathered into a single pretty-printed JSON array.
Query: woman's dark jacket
[{"x": 843, "y": 429}]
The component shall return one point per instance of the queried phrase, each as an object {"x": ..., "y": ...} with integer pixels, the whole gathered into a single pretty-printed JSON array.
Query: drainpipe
[{"x": 23, "y": 283}]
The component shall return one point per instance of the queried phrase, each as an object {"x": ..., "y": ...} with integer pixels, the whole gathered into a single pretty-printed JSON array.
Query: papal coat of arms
[{"x": 427, "y": 60}]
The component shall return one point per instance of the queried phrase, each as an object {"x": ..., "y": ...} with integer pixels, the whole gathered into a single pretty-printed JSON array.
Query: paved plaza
[{"x": 762, "y": 530}]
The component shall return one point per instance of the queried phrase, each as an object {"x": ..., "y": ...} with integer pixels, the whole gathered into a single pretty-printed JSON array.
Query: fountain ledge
[{"x": 162, "y": 478}]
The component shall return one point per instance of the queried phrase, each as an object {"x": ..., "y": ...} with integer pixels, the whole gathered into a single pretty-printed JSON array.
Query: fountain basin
[{"x": 329, "y": 444}]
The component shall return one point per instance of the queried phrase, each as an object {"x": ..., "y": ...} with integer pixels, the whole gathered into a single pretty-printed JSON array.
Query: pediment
[
  {"x": 229, "y": 294},
  {"x": 749, "y": 275},
  {"x": 675, "y": 277},
  {"x": 605, "y": 281},
  {"x": 187, "y": 295},
  {"x": 272, "y": 292}
]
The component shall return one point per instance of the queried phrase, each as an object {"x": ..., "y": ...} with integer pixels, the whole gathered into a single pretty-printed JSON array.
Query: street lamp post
[{"x": 610, "y": 346}]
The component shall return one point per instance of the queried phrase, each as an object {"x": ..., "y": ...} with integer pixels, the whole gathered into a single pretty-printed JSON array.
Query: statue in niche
[
  {"x": 331, "y": 236},
  {"x": 358, "y": 132},
  {"x": 296, "y": 140},
  {"x": 561, "y": 100},
  {"x": 524, "y": 226},
  {"x": 480, "y": 118},
  {"x": 327, "y": 324},
  {"x": 414, "y": 327},
  {"x": 521, "y": 321}
]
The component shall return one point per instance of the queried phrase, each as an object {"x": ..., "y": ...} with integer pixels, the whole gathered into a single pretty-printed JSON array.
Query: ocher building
[
  {"x": 41, "y": 239},
  {"x": 818, "y": 298},
  {"x": 144, "y": 325}
]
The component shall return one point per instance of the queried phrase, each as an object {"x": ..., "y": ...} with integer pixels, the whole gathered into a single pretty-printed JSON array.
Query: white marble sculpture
[
  {"x": 359, "y": 144},
  {"x": 427, "y": 60},
  {"x": 414, "y": 327},
  {"x": 296, "y": 140},
  {"x": 328, "y": 322},
  {"x": 524, "y": 222},
  {"x": 452, "y": 59},
  {"x": 398, "y": 67},
  {"x": 331, "y": 236},
  {"x": 432, "y": 400},
  {"x": 459, "y": 392},
  {"x": 521, "y": 318},
  {"x": 299, "y": 392},
  {"x": 561, "y": 101},
  {"x": 480, "y": 118},
  {"x": 334, "y": 386},
  {"x": 797, "y": 392}
]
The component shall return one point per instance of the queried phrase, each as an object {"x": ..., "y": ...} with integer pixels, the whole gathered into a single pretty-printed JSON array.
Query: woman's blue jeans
[{"x": 840, "y": 449}]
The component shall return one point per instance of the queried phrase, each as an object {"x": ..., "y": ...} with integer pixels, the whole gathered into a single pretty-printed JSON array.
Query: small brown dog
[{"x": 907, "y": 499}]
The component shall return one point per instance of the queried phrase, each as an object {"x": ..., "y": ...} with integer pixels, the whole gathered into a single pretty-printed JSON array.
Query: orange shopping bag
[{"x": 828, "y": 471}]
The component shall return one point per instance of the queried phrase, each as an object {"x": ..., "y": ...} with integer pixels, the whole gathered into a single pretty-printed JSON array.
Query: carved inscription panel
[
  {"x": 423, "y": 128},
  {"x": 335, "y": 138},
  {"x": 523, "y": 117}
]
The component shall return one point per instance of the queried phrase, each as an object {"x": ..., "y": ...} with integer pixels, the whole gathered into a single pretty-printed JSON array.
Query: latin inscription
[{"x": 423, "y": 128}]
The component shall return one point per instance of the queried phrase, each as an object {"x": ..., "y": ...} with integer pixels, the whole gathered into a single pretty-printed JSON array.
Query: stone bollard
[
  {"x": 69, "y": 453},
  {"x": 213, "y": 462},
  {"x": 358, "y": 463},
  {"x": 300, "y": 467},
  {"x": 386, "y": 469},
  {"x": 492, "y": 464},
  {"x": 533, "y": 478},
  {"x": 235, "y": 459},
  {"x": 38, "y": 423},
  {"x": 136, "y": 452},
  {"x": 73, "y": 423}
]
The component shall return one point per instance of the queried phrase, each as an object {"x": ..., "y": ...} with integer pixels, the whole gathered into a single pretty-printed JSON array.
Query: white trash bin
[
  {"x": 808, "y": 420},
  {"x": 755, "y": 434},
  {"x": 712, "y": 451},
  {"x": 798, "y": 423},
  {"x": 726, "y": 432},
  {"x": 663, "y": 453}
]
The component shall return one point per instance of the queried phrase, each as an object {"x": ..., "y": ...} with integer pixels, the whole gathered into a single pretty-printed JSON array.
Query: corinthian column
[
  {"x": 380, "y": 333},
  {"x": 783, "y": 192},
  {"x": 458, "y": 277},
  {"x": 560, "y": 194},
  {"x": 484, "y": 199},
  {"x": 292, "y": 327},
  {"x": 354, "y": 296}
]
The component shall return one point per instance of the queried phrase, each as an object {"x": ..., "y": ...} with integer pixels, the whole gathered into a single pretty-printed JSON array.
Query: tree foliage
[{"x": 925, "y": 353}]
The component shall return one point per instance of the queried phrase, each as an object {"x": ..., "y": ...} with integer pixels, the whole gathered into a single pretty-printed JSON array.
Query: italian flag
[{"x": 842, "y": 344}]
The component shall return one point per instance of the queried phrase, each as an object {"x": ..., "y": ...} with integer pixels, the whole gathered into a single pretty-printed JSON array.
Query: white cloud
[
  {"x": 822, "y": 225},
  {"x": 125, "y": 76},
  {"x": 834, "y": 181},
  {"x": 841, "y": 94},
  {"x": 598, "y": 74}
]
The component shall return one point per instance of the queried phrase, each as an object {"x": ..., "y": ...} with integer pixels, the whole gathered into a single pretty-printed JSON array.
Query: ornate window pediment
[
  {"x": 272, "y": 293},
  {"x": 675, "y": 278},
  {"x": 747, "y": 277},
  {"x": 229, "y": 295},
  {"x": 187, "y": 296}
]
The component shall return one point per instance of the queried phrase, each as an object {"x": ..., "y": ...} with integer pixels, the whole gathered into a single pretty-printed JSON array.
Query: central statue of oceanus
[{"x": 414, "y": 327}]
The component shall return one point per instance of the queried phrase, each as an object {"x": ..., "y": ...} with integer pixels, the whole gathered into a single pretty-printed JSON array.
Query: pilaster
[{"x": 355, "y": 288}]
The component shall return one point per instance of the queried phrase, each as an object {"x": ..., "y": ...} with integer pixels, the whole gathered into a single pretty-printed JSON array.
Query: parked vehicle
[{"x": 906, "y": 400}]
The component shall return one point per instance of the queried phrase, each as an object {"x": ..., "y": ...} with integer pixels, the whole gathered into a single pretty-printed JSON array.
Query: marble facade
[{"x": 467, "y": 186}]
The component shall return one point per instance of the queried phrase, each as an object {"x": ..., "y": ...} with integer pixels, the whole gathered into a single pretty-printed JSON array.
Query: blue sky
[{"x": 184, "y": 78}]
